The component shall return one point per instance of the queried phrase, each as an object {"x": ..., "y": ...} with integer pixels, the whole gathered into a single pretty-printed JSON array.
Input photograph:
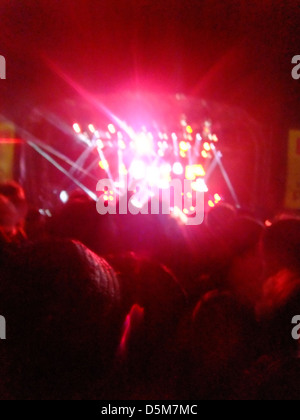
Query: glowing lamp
[
  {"x": 189, "y": 129},
  {"x": 200, "y": 186},
  {"x": 207, "y": 147},
  {"x": 104, "y": 165},
  {"x": 184, "y": 146},
  {"x": 76, "y": 128},
  {"x": 190, "y": 173},
  {"x": 100, "y": 144},
  {"x": 177, "y": 168},
  {"x": 138, "y": 170},
  {"x": 211, "y": 204},
  {"x": 214, "y": 138},
  {"x": 64, "y": 197},
  {"x": 217, "y": 198},
  {"x": 204, "y": 154},
  {"x": 143, "y": 144},
  {"x": 122, "y": 144},
  {"x": 199, "y": 170},
  {"x": 92, "y": 128},
  {"x": 112, "y": 129}
]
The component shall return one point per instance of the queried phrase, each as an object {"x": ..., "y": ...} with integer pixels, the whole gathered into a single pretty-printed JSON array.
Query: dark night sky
[{"x": 234, "y": 52}]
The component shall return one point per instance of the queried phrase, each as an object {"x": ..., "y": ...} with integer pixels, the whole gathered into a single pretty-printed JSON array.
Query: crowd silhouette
[{"x": 125, "y": 307}]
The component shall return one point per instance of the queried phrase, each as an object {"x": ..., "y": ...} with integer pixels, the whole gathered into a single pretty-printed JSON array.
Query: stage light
[
  {"x": 111, "y": 198},
  {"x": 183, "y": 154},
  {"x": 150, "y": 135},
  {"x": 198, "y": 137},
  {"x": 143, "y": 144},
  {"x": 211, "y": 204},
  {"x": 92, "y": 128},
  {"x": 76, "y": 128},
  {"x": 200, "y": 186},
  {"x": 104, "y": 165},
  {"x": 184, "y": 146},
  {"x": 174, "y": 137},
  {"x": 153, "y": 175},
  {"x": 138, "y": 170},
  {"x": 177, "y": 168},
  {"x": 161, "y": 153},
  {"x": 100, "y": 144},
  {"x": 164, "y": 184},
  {"x": 214, "y": 138},
  {"x": 189, "y": 129},
  {"x": 122, "y": 144},
  {"x": 64, "y": 197},
  {"x": 217, "y": 198},
  {"x": 204, "y": 154},
  {"x": 112, "y": 129},
  {"x": 185, "y": 211},
  {"x": 166, "y": 169},
  {"x": 192, "y": 209},
  {"x": 189, "y": 195},
  {"x": 190, "y": 173},
  {"x": 268, "y": 223},
  {"x": 183, "y": 122},
  {"x": 199, "y": 170},
  {"x": 207, "y": 147}
]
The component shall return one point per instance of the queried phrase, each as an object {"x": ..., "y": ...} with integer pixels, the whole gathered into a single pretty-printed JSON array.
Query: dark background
[{"x": 235, "y": 52}]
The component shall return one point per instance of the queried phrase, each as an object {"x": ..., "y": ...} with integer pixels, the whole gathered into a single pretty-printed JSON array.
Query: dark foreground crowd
[{"x": 142, "y": 307}]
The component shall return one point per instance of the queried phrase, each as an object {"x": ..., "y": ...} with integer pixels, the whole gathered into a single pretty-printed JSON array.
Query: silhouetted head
[
  {"x": 62, "y": 309},
  {"x": 16, "y": 195}
]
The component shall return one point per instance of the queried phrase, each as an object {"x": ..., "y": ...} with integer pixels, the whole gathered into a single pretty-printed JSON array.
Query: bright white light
[
  {"x": 112, "y": 129},
  {"x": 92, "y": 128},
  {"x": 100, "y": 144},
  {"x": 178, "y": 168},
  {"x": 136, "y": 203},
  {"x": 64, "y": 197},
  {"x": 76, "y": 128},
  {"x": 143, "y": 144},
  {"x": 165, "y": 169},
  {"x": 138, "y": 169},
  {"x": 153, "y": 175},
  {"x": 200, "y": 186}
]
